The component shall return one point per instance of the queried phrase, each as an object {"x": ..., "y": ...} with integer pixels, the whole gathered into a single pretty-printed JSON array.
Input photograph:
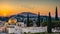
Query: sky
[{"x": 11, "y": 7}]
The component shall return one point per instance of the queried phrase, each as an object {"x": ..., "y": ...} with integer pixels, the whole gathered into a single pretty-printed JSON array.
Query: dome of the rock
[{"x": 12, "y": 21}]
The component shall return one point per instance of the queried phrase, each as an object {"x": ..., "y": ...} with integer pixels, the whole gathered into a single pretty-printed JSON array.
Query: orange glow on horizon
[{"x": 8, "y": 10}]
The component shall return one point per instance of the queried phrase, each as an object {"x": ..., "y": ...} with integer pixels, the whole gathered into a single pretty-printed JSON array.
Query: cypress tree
[
  {"x": 56, "y": 15},
  {"x": 27, "y": 20},
  {"x": 49, "y": 24},
  {"x": 38, "y": 19}
]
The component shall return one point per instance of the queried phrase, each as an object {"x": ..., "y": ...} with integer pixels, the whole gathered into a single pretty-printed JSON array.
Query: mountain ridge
[{"x": 23, "y": 15}]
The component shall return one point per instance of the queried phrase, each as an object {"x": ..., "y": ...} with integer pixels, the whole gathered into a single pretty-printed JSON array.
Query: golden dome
[{"x": 12, "y": 21}]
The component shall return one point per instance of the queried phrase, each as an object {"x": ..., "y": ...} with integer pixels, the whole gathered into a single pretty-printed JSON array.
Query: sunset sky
[{"x": 11, "y": 7}]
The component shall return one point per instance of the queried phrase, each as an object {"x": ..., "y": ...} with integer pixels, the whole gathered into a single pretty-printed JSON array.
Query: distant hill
[
  {"x": 23, "y": 15},
  {"x": 31, "y": 15}
]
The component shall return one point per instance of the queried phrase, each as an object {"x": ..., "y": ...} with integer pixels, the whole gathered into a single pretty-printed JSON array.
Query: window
[{"x": 19, "y": 24}]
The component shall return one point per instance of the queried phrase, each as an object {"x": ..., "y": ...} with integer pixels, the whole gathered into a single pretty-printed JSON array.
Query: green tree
[
  {"x": 28, "y": 20},
  {"x": 56, "y": 23},
  {"x": 56, "y": 15},
  {"x": 49, "y": 24},
  {"x": 44, "y": 24},
  {"x": 38, "y": 19}
]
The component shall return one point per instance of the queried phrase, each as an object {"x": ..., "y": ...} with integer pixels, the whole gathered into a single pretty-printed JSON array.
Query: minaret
[{"x": 56, "y": 14}]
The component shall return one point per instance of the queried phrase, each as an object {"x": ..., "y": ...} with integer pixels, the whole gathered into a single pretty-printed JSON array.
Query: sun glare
[{"x": 5, "y": 9}]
